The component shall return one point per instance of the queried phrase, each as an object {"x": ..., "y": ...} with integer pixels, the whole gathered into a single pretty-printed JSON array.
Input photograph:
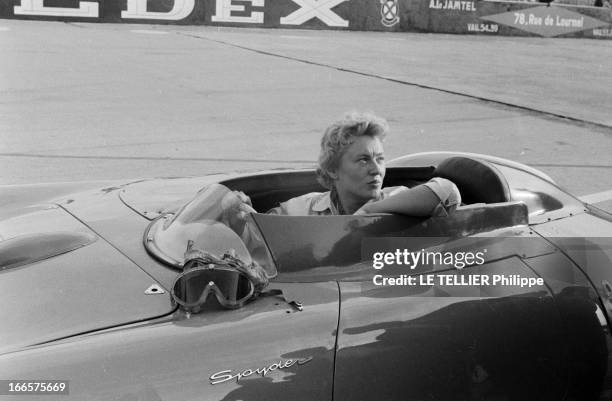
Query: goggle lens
[{"x": 231, "y": 287}]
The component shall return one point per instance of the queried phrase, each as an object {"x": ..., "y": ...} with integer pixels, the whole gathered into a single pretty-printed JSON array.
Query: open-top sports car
[{"x": 165, "y": 289}]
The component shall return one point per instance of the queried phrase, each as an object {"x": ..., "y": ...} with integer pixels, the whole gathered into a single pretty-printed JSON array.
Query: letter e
[{"x": 224, "y": 8}]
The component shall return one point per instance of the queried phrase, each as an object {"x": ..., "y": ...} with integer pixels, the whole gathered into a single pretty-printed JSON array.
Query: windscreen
[{"x": 217, "y": 222}]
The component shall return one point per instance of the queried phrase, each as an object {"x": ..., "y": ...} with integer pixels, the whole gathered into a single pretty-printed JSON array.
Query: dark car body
[{"x": 85, "y": 299}]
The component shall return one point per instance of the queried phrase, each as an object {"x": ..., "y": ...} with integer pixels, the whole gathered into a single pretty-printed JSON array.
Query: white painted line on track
[
  {"x": 597, "y": 197},
  {"x": 149, "y": 32}
]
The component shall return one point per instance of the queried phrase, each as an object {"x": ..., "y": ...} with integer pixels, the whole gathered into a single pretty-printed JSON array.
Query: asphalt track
[{"x": 108, "y": 101}]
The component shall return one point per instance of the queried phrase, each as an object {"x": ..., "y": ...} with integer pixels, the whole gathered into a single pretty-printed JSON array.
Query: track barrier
[{"x": 482, "y": 17}]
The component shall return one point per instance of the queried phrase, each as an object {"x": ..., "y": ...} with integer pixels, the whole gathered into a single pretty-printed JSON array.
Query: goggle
[{"x": 231, "y": 287}]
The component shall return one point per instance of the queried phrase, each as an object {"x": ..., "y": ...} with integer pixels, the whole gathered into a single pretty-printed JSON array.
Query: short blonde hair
[{"x": 340, "y": 135}]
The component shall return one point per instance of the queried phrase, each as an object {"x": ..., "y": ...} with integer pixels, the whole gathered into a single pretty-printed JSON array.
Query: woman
[{"x": 352, "y": 167}]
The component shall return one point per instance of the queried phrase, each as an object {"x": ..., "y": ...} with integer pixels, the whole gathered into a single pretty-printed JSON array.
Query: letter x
[{"x": 320, "y": 9}]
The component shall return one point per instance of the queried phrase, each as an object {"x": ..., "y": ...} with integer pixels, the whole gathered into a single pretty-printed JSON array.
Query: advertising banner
[
  {"x": 440, "y": 16},
  {"x": 509, "y": 18}
]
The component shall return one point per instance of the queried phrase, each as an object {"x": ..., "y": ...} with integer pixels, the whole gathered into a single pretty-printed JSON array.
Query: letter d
[{"x": 138, "y": 9}]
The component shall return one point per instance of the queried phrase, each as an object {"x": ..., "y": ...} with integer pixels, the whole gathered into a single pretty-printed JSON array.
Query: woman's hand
[{"x": 245, "y": 207}]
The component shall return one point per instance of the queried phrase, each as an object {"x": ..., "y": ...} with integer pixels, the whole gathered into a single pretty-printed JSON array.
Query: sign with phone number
[{"x": 487, "y": 28}]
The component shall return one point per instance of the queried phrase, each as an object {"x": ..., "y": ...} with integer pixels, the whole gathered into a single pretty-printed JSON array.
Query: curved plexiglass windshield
[{"x": 217, "y": 221}]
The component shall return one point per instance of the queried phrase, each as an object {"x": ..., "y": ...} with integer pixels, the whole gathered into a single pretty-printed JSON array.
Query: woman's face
[{"x": 360, "y": 173}]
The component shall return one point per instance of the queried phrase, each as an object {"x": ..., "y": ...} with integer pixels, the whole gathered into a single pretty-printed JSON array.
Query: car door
[
  {"x": 450, "y": 342},
  {"x": 457, "y": 332}
]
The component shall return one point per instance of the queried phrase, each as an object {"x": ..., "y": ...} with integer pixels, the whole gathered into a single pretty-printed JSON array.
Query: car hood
[
  {"x": 152, "y": 198},
  {"x": 59, "y": 279}
]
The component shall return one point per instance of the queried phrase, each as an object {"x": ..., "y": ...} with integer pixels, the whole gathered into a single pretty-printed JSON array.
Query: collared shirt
[{"x": 320, "y": 203}]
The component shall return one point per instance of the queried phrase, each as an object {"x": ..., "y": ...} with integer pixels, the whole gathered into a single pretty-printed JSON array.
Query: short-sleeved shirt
[{"x": 320, "y": 203}]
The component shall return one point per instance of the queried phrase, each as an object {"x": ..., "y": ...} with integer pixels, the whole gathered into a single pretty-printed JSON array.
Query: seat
[
  {"x": 478, "y": 181},
  {"x": 269, "y": 189}
]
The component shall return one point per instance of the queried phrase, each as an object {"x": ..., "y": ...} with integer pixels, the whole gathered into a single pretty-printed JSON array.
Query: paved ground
[{"x": 105, "y": 101}]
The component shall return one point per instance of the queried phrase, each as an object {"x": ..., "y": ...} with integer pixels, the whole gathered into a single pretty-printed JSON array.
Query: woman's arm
[{"x": 437, "y": 197}]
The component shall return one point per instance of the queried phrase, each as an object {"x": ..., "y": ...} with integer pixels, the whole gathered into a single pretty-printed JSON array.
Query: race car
[{"x": 166, "y": 289}]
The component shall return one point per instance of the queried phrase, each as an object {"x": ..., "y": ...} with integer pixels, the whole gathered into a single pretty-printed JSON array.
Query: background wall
[{"x": 439, "y": 16}]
